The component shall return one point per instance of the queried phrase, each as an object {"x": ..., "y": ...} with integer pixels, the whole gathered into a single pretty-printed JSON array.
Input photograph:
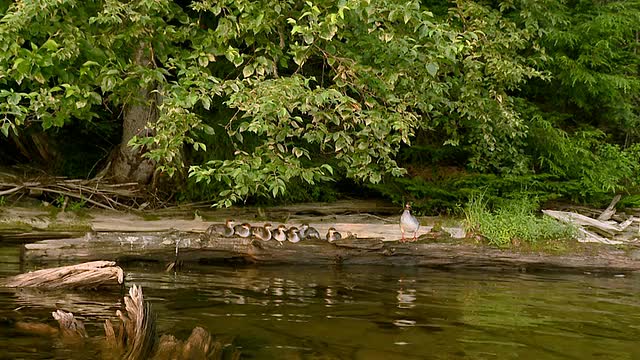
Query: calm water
[{"x": 355, "y": 313}]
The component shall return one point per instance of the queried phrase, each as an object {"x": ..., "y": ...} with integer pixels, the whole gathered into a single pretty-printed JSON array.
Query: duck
[
  {"x": 262, "y": 232},
  {"x": 308, "y": 232},
  {"x": 242, "y": 230},
  {"x": 409, "y": 223},
  {"x": 280, "y": 234},
  {"x": 333, "y": 235},
  {"x": 225, "y": 229},
  {"x": 293, "y": 235}
]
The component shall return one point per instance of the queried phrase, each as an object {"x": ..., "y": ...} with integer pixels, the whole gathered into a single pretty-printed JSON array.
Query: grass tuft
[{"x": 513, "y": 223}]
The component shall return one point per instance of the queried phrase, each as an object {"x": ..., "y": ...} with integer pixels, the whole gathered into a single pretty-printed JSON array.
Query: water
[{"x": 355, "y": 312}]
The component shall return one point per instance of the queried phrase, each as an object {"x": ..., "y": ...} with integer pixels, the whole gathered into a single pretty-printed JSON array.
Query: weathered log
[
  {"x": 614, "y": 233},
  {"x": 189, "y": 247},
  {"x": 70, "y": 327},
  {"x": 579, "y": 219},
  {"x": 610, "y": 210},
  {"x": 94, "y": 274},
  {"x": 137, "y": 338}
]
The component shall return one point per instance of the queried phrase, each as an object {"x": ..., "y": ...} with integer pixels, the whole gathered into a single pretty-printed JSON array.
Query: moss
[
  {"x": 146, "y": 216},
  {"x": 550, "y": 247},
  {"x": 15, "y": 226}
]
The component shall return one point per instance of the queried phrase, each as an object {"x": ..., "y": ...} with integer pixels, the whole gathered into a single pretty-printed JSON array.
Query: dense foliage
[{"x": 259, "y": 96}]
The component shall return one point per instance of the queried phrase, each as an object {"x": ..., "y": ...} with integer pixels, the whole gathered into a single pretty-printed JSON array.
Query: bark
[{"x": 129, "y": 165}]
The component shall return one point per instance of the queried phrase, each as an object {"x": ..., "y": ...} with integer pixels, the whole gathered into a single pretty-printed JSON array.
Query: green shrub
[{"x": 513, "y": 222}]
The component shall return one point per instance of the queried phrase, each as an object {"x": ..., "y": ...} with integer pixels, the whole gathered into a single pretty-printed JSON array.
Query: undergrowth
[{"x": 514, "y": 222}]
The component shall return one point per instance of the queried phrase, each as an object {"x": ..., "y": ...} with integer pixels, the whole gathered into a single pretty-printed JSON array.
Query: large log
[
  {"x": 189, "y": 247},
  {"x": 96, "y": 274}
]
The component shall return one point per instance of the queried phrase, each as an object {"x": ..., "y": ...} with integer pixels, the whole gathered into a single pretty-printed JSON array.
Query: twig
[
  {"x": 378, "y": 217},
  {"x": 72, "y": 195},
  {"x": 10, "y": 191}
]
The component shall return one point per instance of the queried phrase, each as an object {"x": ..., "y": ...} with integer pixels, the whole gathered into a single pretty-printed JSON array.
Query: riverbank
[{"x": 176, "y": 235}]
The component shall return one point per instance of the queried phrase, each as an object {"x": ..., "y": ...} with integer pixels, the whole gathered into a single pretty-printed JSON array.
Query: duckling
[
  {"x": 225, "y": 230},
  {"x": 293, "y": 235},
  {"x": 262, "y": 232},
  {"x": 409, "y": 223},
  {"x": 307, "y": 232},
  {"x": 280, "y": 234},
  {"x": 242, "y": 230},
  {"x": 333, "y": 235}
]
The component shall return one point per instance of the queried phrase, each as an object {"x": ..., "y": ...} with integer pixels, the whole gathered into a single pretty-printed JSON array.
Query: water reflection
[{"x": 372, "y": 312}]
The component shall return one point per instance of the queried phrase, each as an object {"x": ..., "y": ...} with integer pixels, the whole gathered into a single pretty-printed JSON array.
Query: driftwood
[
  {"x": 387, "y": 232},
  {"x": 189, "y": 247},
  {"x": 610, "y": 210},
  {"x": 135, "y": 337},
  {"x": 594, "y": 230},
  {"x": 69, "y": 328},
  {"x": 96, "y": 192},
  {"x": 96, "y": 274},
  {"x": 28, "y": 224}
]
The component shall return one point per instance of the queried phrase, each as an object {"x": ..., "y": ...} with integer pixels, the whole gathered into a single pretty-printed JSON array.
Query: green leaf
[
  {"x": 206, "y": 102},
  {"x": 432, "y": 69},
  {"x": 50, "y": 45},
  {"x": 327, "y": 167},
  {"x": 247, "y": 71},
  {"x": 5, "y": 128}
]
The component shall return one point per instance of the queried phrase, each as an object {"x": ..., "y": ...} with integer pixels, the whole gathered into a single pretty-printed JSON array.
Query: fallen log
[
  {"x": 96, "y": 274},
  {"x": 579, "y": 219},
  {"x": 189, "y": 247},
  {"x": 590, "y": 230}
]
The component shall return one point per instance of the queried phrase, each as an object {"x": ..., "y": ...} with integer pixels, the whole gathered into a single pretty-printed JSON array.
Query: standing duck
[
  {"x": 307, "y": 232},
  {"x": 409, "y": 223},
  {"x": 333, "y": 235},
  {"x": 242, "y": 230},
  {"x": 293, "y": 235},
  {"x": 262, "y": 232},
  {"x": 225, "y": 230},
  {"x": 280, "y": 234}
]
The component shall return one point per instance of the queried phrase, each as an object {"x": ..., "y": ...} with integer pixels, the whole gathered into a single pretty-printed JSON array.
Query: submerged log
[
  {"x": 70, "y": 327},
  {"x": 136, "y": 338},
  {"x": 96, "y": 274},
  {"x": 453, "y": 253}
]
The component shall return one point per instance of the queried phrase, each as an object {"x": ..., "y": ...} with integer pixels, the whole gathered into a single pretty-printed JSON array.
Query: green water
[{"x": 355, "y": 312}]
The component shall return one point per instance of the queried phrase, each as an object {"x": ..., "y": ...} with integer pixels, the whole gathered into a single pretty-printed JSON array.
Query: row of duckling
[{"x": 264, "y": 233}]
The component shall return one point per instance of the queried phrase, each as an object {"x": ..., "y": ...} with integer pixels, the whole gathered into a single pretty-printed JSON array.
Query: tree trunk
[{"x": 129, "y": 165}]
